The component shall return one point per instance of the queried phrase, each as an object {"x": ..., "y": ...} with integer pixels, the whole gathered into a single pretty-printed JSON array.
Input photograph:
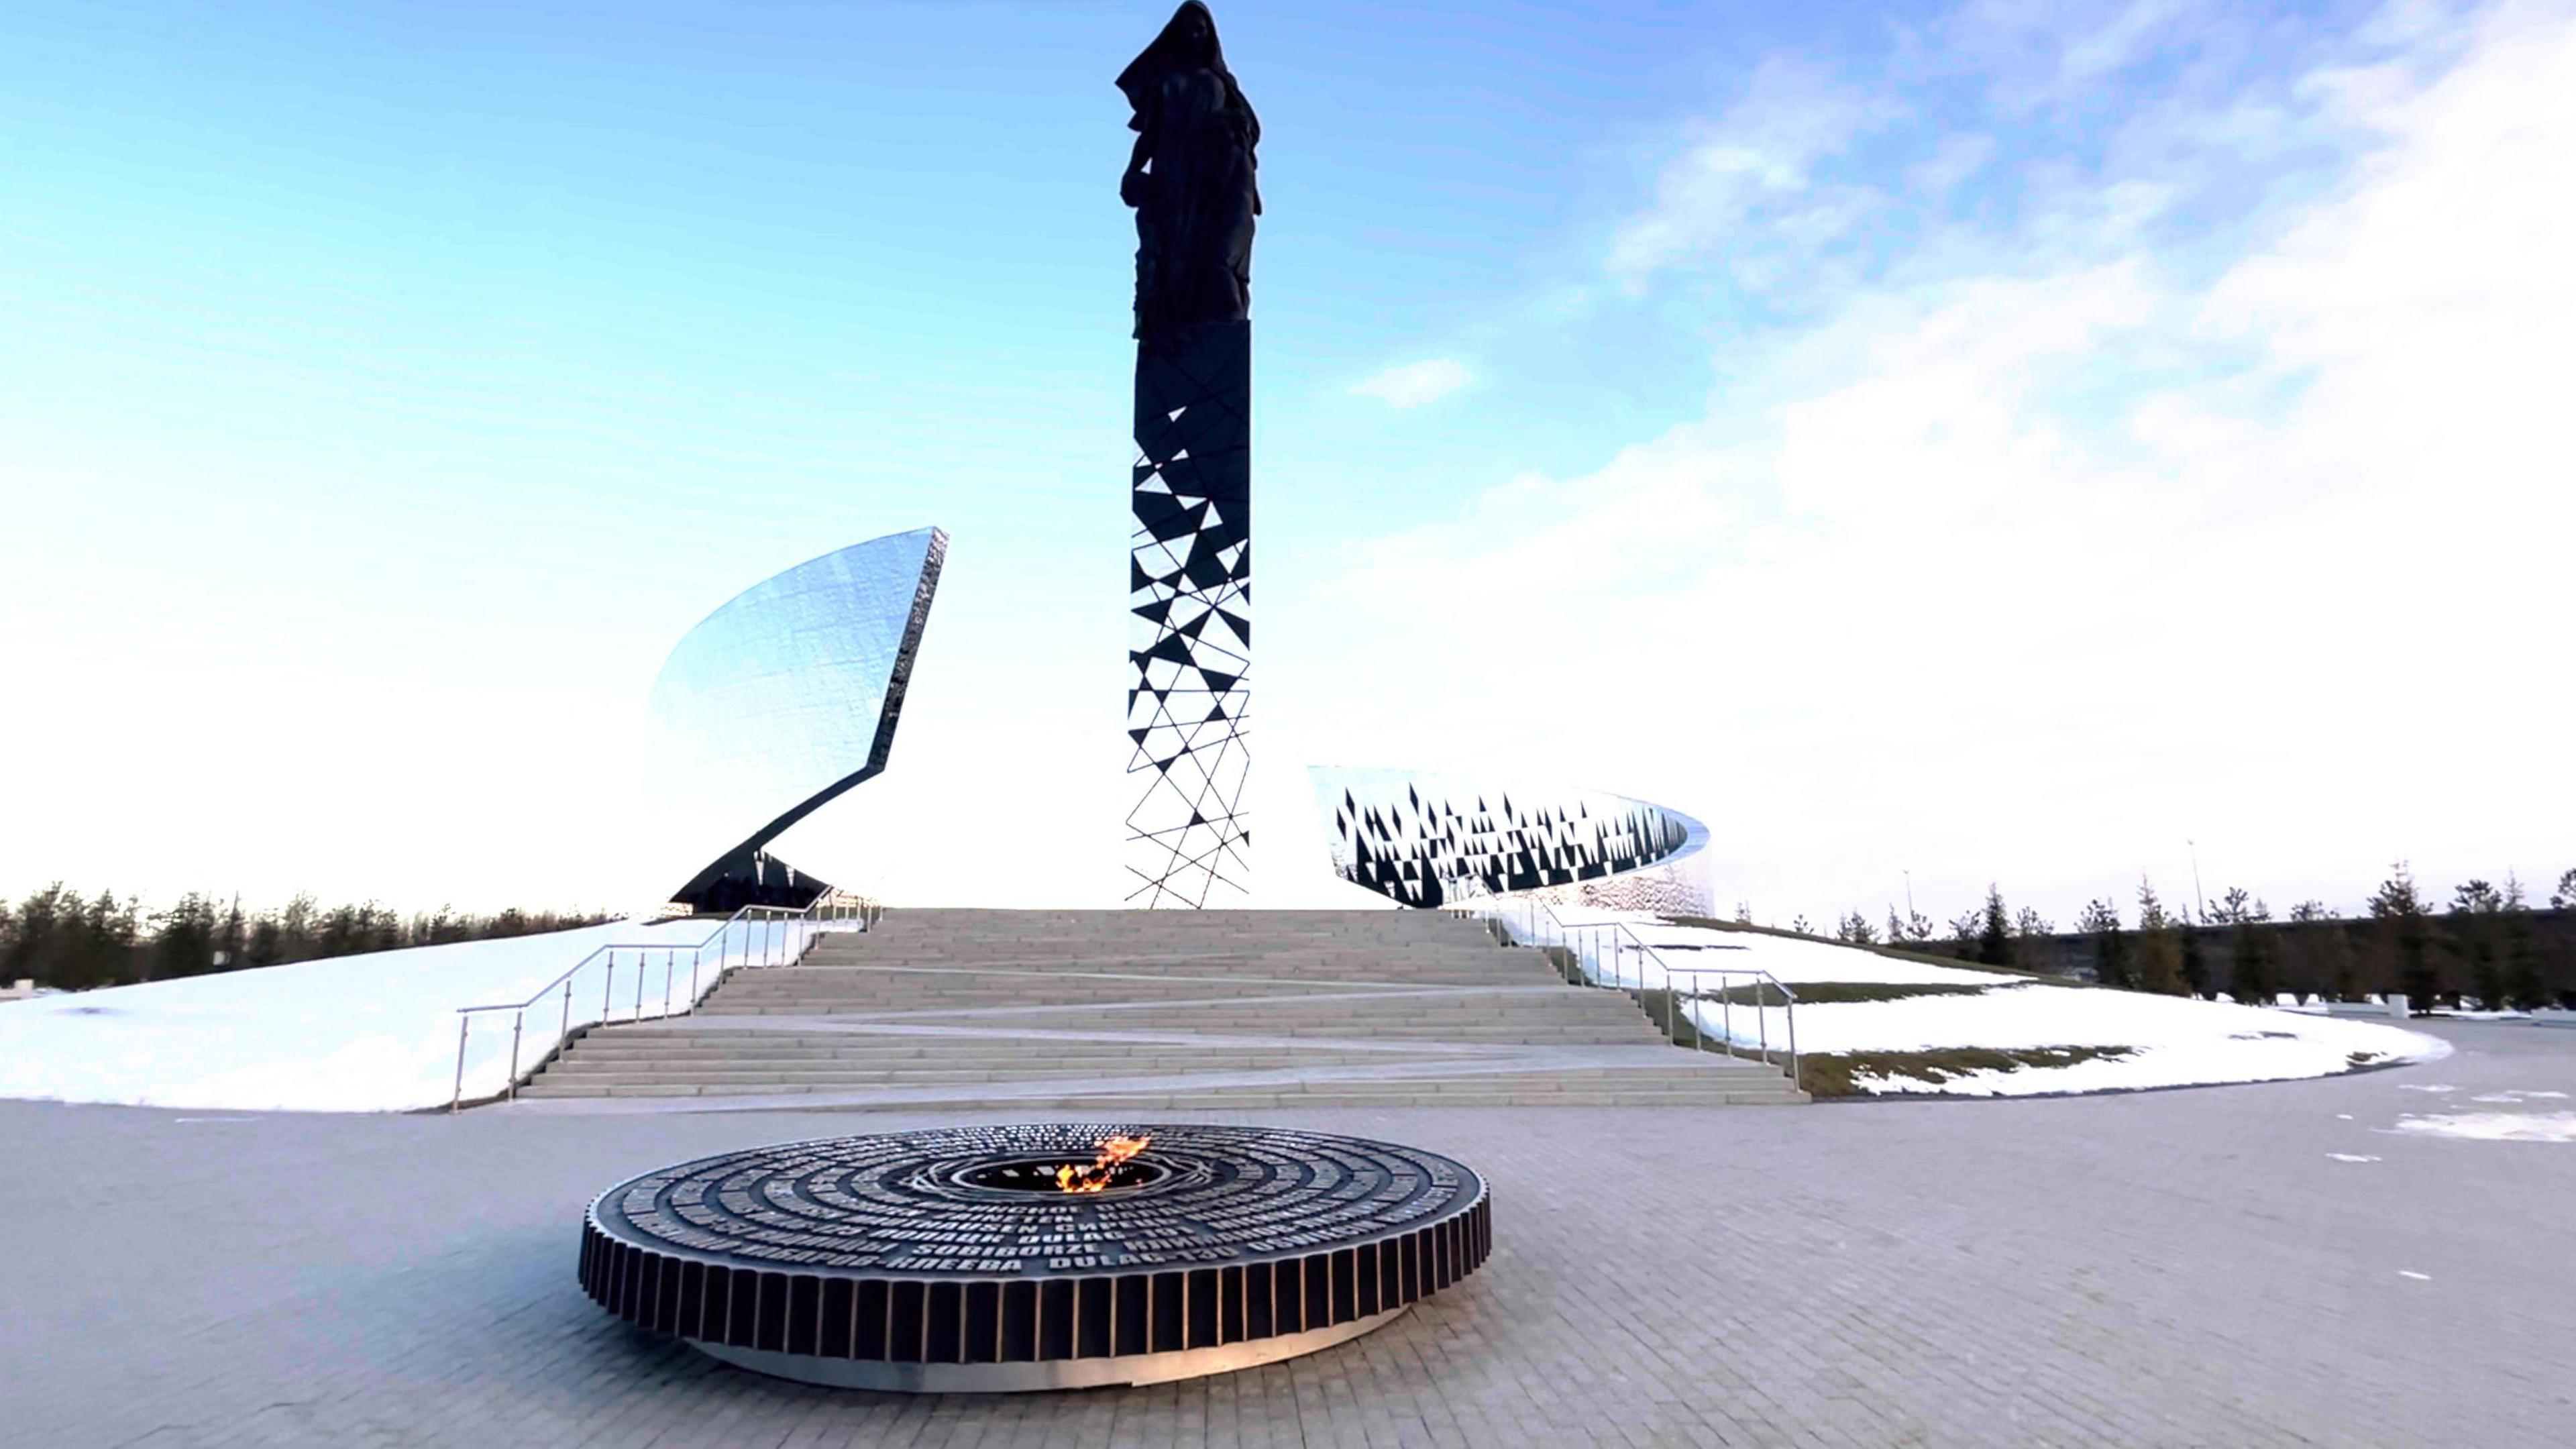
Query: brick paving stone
[{"x": 2176, "y": 1268}]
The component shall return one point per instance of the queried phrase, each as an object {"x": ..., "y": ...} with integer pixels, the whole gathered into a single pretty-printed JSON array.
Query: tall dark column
[
  {"x": 1190, "y": 582},
  {"x": 1189, "y": 572}
]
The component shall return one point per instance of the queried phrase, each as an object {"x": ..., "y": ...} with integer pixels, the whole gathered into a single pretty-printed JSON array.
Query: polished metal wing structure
[
  {"x": 1427, "y": 839},
  {"x": 779, "y": 702}
]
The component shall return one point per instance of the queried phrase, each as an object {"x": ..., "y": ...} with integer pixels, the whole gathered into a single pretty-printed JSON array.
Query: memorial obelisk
[{"x": 1189, "y": 576}]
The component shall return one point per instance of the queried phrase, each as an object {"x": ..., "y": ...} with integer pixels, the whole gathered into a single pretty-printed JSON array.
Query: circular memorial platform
[{"x": 982, "y": 1259}]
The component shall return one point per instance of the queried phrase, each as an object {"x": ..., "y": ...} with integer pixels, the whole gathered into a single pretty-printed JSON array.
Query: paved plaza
[{"x": 2177, "y": 1268}]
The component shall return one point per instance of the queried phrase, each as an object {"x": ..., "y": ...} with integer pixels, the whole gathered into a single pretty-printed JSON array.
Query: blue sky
[{"x": 1928, "y": 438}]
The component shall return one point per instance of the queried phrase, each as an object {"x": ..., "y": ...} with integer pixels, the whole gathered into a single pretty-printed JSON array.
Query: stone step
[
  {"x": 1494, "y": 1034},
  {"x": 1222, "y": 1099},
  {"x": 1415, "y": 1089},
  {"x": 938, "y": 1071},
  {"x": 1518, "y": 1003},
  {"x": 937, "y": 1029},
  {"x": 1047, "y": 1003},
  {"x": 911, "y": 1049},
  {"x": 1533, "y": 1085}
]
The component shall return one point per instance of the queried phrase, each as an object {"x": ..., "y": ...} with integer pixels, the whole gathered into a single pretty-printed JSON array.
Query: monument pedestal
[{"x": 1190, "y": 586}]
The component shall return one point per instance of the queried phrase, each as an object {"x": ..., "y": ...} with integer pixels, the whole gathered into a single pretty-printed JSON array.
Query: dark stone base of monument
[
  {"x": 998, "y": 1259},
  {"x": 750, "y": 878}
]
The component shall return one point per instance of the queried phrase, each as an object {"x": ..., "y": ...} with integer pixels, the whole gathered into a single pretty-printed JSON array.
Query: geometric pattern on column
[
  {"x": 1190, "y": 638},
  {"x": 1424, "y": 839}
]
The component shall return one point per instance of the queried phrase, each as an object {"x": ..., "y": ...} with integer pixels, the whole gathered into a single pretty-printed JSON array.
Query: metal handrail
[
  {"x": 1623, "y": 946},
  {"x": 785, "y": 934}
]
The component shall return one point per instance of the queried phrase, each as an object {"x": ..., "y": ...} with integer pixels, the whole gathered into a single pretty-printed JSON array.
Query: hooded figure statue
[{"x": 1190, "y": 180}]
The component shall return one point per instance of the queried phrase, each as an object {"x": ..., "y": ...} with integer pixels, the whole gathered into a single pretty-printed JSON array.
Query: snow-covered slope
[
  {"x": 2070, "y": 1038},
  {"x": 367, "y": 1033}
]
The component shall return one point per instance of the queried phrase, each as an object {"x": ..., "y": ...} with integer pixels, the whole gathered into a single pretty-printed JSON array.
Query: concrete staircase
[{"x": 1113, "y": 1010}]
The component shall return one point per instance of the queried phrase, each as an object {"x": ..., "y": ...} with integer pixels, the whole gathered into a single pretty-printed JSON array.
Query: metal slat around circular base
[
  {"x": 1061, "y": 1373},
  {"x": 947, "y": 1260}
]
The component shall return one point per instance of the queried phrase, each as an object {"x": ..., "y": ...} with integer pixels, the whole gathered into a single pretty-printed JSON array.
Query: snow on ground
[
  {"x": 370, "y": 1033},
  {"x": 2171, "y": 1040},
  {"x": 2494, "y": 1126}
]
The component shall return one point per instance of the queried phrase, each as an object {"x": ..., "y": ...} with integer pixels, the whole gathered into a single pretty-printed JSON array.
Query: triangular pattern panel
[
  {"x": 1189, "y": 695},
  {"x": 1427, "y": 840}
]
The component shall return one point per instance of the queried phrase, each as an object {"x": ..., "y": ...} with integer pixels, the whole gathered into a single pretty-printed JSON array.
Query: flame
[{"x": 1113, "y": 1151}]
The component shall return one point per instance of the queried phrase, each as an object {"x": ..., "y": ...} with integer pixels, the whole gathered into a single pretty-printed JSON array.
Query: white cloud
[
  {"x": 1416, "y": 383},
  {"x": 2035, "y": 573},
  {"x": 2049, "y": 52},
  {"x": 1960, "y": 155},
  {"x": 1749, "y": 177}
]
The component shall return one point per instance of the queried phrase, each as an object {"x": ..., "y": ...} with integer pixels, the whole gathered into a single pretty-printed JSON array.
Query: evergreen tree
[
  {"x": 1994, "y": 935},
  {"x": 183, "y": 938},
  {"x": 2323, "y": 953},
  {"x": 1856, "y": 929},
  {"x": 2408, "y": 935},
  {"x": 2250, "y": 943},
  {"x": 1911, "y": 929},
  {"x": 2031, "y": 933},
  {"x": 2564, "y": 898},
  {"x": 36, "y": 944},
  {"x": 230, "y": 938},
  {"x": 267, "y": 945},
  {"x": 2160, "y": 957},
  {"x": 102, "y": 945},
  {"x": 2196, "y": 979},
  {"x": 2239, "y": 906},
  {"x": 2477, "y": 940},
  {"x": 1965, "y": 928},
  {"x": 2524, "y": 988},
  {"x": 295, "y": 933},
  {"x": 2101, "y": 921}
]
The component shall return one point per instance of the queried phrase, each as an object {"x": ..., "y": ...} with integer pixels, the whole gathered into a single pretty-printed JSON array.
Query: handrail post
[
  {"x": 694, "y": 954},
  {"x": 464, "y": 1020},
  {"x": 518, "y": 1019},
  {"x": 639, "y": 986},
  {"x": 563, "y": 1034},
  {"x": 670, "y": 963},
  {"x": 607, "y": 984},
  {"x": 1726, "y": 1007},
  {"x": 1793, "y": 1043}
]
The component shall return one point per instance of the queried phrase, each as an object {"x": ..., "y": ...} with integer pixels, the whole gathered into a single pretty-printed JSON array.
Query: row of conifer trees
[
  {"x": 2487, "y": 946},
  {"x": 66, "y": 938}
]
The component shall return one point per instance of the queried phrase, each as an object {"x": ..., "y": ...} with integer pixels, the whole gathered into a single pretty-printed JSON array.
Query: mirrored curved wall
[{"x": 777, "y": 703}]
